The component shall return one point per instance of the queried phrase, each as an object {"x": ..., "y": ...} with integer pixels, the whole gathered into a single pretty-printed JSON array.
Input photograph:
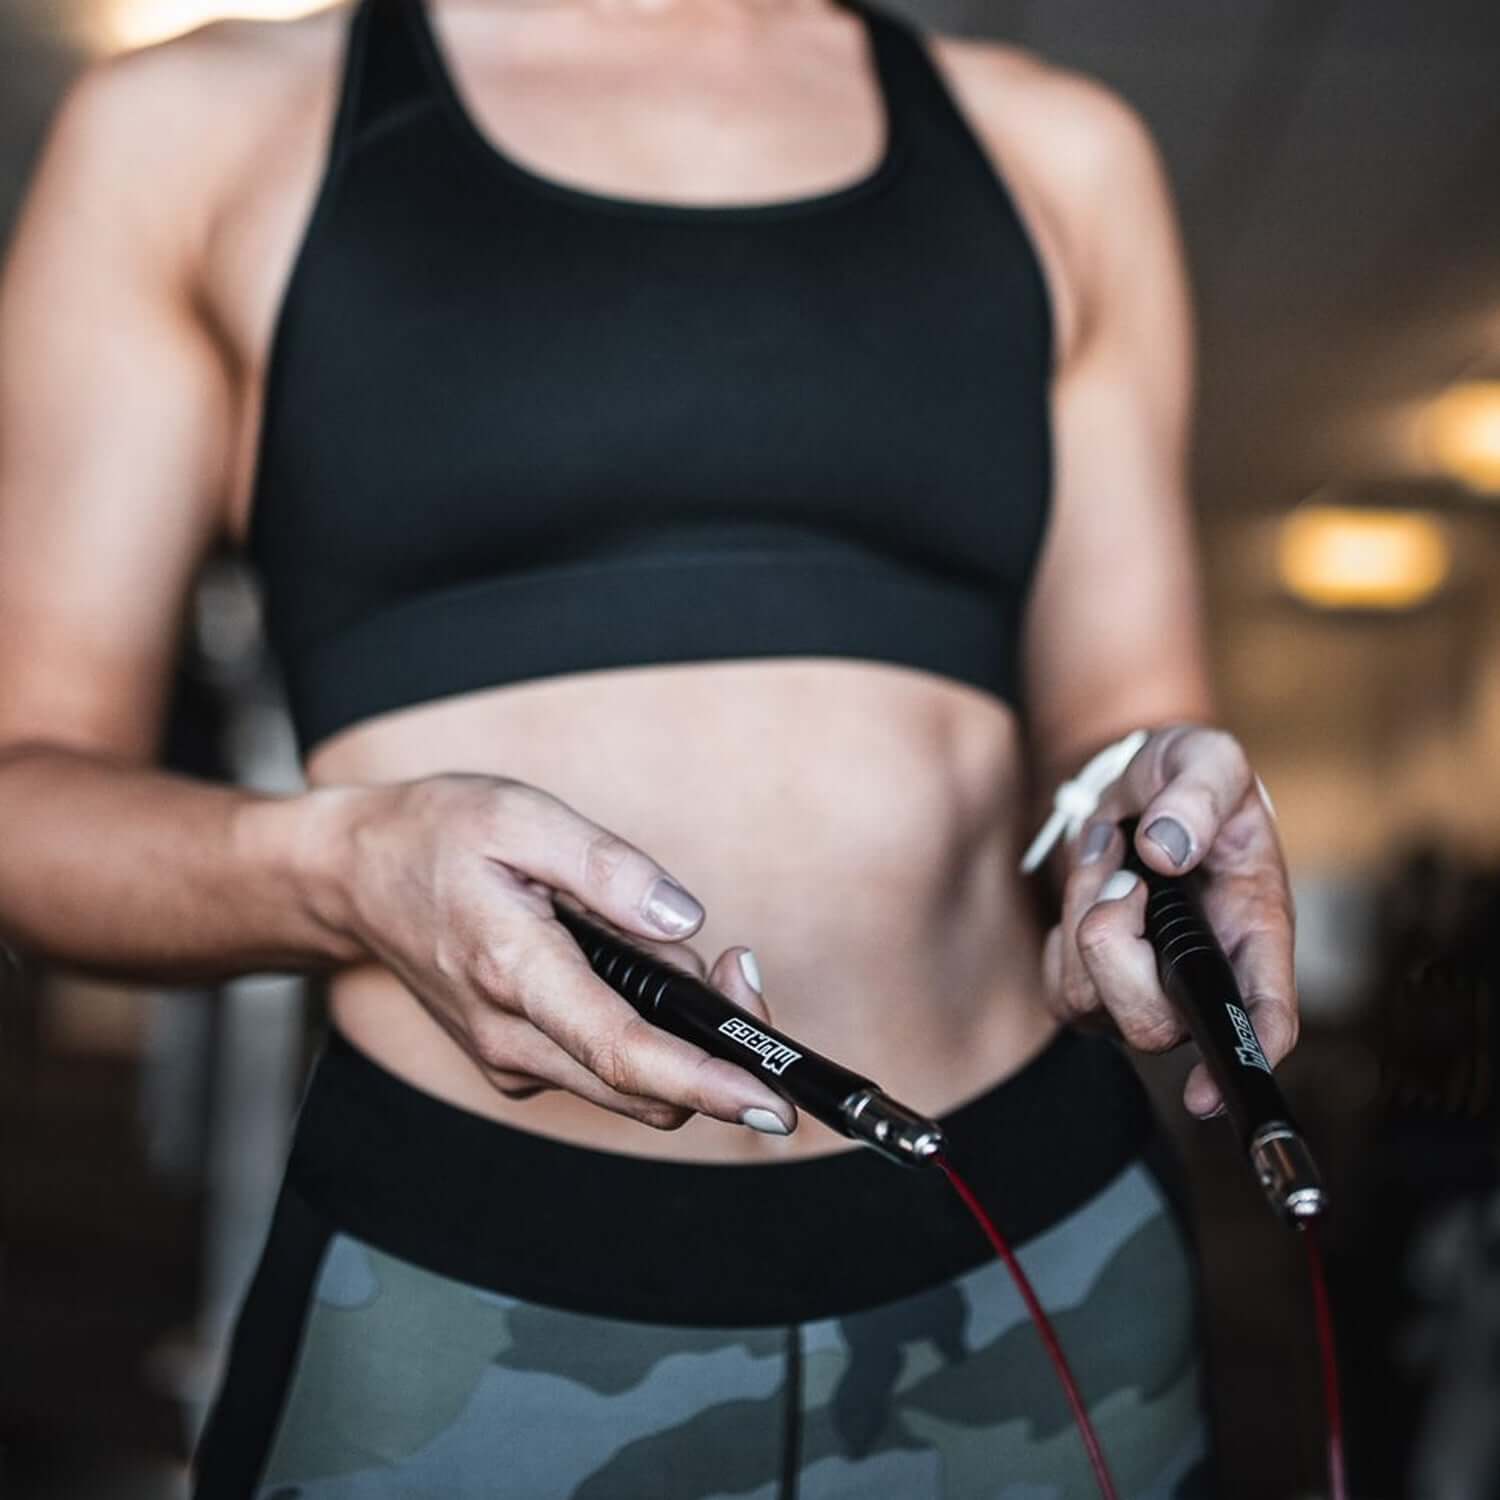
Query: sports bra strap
[
  {"x": 385, "y": 75},
  {"x": 918, "y": 96}
]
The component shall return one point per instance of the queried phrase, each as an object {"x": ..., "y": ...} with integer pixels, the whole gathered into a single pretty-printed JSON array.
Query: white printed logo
[
  {"x": 1248, "y": 1051},
  {"x": 774, "y": 1056}
]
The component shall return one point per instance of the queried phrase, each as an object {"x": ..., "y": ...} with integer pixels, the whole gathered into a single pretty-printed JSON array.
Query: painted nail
[
  {"x": 751, "y": 970},
  {"x": 1265, "y": 796},
  {"x": 764, "y": 1121},
  {"x": 1095, "y": 841},
  {"x": 1171, "y": 838},
  {"x": 670, "y": 908},
  {"x": 1121, "y": 883}
]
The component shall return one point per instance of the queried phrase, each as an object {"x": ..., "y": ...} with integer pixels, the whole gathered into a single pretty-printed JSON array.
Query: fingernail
[
  {"x": 671, "y": 908},
  {"x": 1095, "y": 841},
  {"x": 764, "y": 1121},
  {"x": 1171, "y": 837},
  {"x": 1265, "y": 796},
  {"x": 1121, "y": 883},
  {"x": 751, "y": 970},
  {"x": 1214, "y": 1113}
]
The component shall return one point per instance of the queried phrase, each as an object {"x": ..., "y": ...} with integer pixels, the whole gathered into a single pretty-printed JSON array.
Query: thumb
[
  {"x": 1185, "y": 783},
  {"x": 736, "y": 974}
]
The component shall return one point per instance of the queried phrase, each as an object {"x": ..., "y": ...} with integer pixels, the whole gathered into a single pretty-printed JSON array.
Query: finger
[
  {"x": 550, "y": 841},
  {"x": 1097, "y": 839},
  {"x": 1185, "y": 783},
  {"x": 512, "y": 1051},
  {"x": 1122, "y": 965},
  {"x": 518, "y": 1086},
  {"x": 1096, "y": 1020},
  {"x": 1264, "y": 972},
  {"x": 1201, "y": 1094},
  {"x": 1263, "y": 964},
  {"x": 736, "y": 973},
  {"x": 679, "y": 954},
  {"x": 559, "y": 993},
  {"x": 1276, "y": 1030},
  {"x": 1077, "y": 995},
  {"x": 1052, "y": 970}
]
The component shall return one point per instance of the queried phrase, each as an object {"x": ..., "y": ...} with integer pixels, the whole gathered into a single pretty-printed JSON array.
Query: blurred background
[{"x": 1337, "y": 165}]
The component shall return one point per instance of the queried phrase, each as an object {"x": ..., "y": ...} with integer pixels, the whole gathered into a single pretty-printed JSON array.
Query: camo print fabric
[{"x": 410, "y": 1385}]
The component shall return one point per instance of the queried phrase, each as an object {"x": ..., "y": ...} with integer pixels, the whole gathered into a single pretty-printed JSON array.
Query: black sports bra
[{"x": 515, "y": 428}]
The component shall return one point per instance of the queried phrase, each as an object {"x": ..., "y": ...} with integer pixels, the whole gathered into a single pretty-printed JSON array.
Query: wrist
[{"x": 306, "y": 843}]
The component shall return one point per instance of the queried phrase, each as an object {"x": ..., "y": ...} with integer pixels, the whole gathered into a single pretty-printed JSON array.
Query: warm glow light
[
  {"x": 1347, "y": 557},
  {"x": 1462, "y": 431},
  {"x": 139, "y": 23}
]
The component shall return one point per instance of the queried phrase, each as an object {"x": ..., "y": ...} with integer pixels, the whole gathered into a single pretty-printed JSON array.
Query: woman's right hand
[{"x": 448, "y": 882}]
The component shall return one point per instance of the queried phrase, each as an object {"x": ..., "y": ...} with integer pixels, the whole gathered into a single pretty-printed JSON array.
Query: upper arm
[
  {"x": 1114, "y": 629},
  {"x": 115, "y": 425}
]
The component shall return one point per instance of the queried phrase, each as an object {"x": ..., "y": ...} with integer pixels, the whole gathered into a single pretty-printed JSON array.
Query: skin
[{"x": 856, "y": 823}]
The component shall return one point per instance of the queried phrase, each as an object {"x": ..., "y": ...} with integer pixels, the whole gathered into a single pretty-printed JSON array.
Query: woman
[{"x": 718, "y": 463}]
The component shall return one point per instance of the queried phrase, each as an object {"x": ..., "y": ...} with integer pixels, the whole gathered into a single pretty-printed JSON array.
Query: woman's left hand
[{"x": 1200, "y": 806}]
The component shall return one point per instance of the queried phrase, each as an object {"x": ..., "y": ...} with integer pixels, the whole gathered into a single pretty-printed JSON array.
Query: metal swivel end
[
  {"x": 891, "y": 1128},
  {"x": 1286, "y": 1171}
]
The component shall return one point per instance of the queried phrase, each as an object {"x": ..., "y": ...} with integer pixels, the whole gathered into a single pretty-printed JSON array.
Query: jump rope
[{"x": 1197, "y": 978}]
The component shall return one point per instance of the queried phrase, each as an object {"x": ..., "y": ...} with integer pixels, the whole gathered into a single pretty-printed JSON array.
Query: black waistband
[{"x": 701, "y": 1243}]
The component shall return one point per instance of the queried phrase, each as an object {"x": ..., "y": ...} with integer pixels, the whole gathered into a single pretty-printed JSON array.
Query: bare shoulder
[
  {"x": 1077, "y": 157},
  {"x": 1084, "y": 132},
  {"x": 201, "y": 75},
  {"x": 160, "y": 134}
]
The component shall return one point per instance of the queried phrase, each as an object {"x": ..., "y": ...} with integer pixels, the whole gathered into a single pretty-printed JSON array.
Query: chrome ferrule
[
  {"x": 1285, "y": 1168},
  {"x": 900, "y": 1133}
]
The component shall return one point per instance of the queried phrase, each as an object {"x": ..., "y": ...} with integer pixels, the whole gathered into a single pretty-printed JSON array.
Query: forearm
[{"x": 129, "y": 871}]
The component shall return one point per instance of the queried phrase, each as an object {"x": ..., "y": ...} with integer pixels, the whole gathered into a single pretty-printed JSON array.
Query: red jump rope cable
[
  {"x": 1043, "y": 1327},
  {"x": 1336, "y": 1482}
]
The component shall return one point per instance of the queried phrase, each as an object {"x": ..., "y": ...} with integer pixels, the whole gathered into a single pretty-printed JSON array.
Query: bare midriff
[{"x": 855, "y": 823}]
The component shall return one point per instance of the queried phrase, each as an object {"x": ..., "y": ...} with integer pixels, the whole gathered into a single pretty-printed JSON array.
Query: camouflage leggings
[{"x": 362, "y": 1372}]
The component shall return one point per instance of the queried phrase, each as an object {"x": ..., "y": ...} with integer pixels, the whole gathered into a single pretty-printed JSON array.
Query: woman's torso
[{"x": 856, "y": 822}]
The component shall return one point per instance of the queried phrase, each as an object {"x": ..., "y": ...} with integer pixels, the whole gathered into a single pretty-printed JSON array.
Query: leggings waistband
[{"x": 696, "y": 1243}]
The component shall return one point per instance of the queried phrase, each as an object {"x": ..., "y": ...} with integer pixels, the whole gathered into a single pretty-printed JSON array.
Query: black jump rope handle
[
  {"x": 683, "y": 1005},
  {"x": 1195, "y": 975},
  {"x": 688, "y": 1008},
  {"x": 1198, "y": 979}
]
